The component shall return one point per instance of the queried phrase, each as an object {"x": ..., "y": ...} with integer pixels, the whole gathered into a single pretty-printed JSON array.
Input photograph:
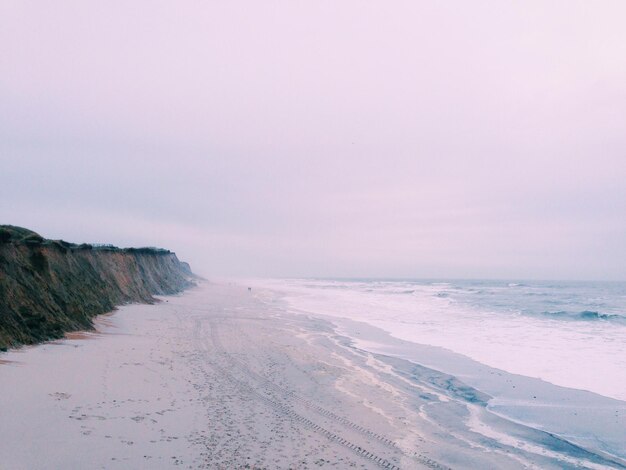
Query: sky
[{"x": 419, "y": 139}]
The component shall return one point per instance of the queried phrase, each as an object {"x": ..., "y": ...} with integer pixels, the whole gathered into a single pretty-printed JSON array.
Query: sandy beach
[{"x": 221, "y": 377}]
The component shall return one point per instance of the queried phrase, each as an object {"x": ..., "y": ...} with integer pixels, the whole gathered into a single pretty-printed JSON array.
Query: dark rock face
[{"x": 50, "y": 287}]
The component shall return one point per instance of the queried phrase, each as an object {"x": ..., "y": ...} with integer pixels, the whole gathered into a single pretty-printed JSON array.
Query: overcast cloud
[{"x": 323, "y": 138}]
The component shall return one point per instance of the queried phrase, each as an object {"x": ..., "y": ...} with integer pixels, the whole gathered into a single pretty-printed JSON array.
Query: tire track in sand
[{"x": 290, "y": 395}]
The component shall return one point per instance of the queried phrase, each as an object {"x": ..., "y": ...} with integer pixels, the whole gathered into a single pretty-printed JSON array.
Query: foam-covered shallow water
[
  {"x": 549, "y": 355},
  {"x": 571, "y": 334}
]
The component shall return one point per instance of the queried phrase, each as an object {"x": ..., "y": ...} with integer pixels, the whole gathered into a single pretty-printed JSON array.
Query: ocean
[{"x": 571, "y": 334}]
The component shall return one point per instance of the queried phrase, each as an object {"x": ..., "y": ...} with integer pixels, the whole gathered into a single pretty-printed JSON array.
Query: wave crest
[{"x": 586, "y": 315}]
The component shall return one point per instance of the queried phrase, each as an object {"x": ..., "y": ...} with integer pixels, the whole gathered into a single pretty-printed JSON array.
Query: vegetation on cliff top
[{"x": 20, "y": 235}]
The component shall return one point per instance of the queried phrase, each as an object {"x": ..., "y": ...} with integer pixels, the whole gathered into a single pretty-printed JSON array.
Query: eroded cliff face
[{"x": 49, "y": 287}]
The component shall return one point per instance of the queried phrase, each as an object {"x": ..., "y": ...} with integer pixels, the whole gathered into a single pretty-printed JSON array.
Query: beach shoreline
[
  {"x": 219, "y": 377},
  {"x": 582, "y": 417}
]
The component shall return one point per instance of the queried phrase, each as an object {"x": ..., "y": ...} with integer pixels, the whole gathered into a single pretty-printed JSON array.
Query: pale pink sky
[{"x": 323, "y": 138}]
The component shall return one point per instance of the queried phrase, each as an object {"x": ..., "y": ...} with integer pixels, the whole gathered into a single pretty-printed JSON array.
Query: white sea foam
[{"x": 534, "y": 330}]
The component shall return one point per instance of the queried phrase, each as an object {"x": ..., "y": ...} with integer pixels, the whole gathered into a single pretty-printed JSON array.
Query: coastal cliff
[{"x": 49, "y": 287}]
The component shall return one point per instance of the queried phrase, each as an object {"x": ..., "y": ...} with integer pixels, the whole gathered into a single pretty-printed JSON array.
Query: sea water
[{"x": 571, "y": 334}]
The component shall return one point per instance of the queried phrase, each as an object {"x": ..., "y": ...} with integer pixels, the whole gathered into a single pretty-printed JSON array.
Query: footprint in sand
[{"x": 60, "y": 396}]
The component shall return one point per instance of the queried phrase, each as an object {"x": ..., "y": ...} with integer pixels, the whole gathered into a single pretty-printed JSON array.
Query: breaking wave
[{"x": 585, "y": 315}]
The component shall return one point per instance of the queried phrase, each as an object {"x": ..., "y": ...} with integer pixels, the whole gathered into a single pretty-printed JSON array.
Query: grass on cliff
[
  {"x": 20, "y": 235},
  {"x": 13, "y": 233}
]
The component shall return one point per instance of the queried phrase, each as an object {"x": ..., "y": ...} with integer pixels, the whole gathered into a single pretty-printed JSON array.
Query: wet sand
[{"x": 223, "y": 378}]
